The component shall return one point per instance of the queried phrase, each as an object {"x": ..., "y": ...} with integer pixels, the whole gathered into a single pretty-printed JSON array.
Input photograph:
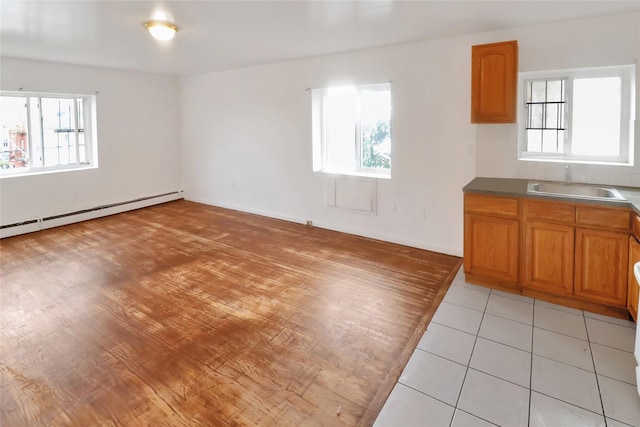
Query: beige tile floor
[{"x": 492, "y": 358}]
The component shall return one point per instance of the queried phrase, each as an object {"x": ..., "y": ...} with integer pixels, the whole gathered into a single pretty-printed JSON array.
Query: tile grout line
[
  {"x": 508, "y": 318},
  {"x": 609, "y": 321},
  {"x": 466, "y": 372},
  {"x": 568, "y": 403},
  {"x": 497, "y": 377},
  {"x": 427, "y": 395},
  {"x": 463, "y": 306},
  {"x": 501, "y": 343},
  {"x": 613, "y": 348},
  {"x": 510, "y": 381},
  {"x": 469, "y": 413},
  {"x": 616, "y": 379},
  {"x": 595, "y": 372},
  {"x": 581, "y": 314},
  {"x": 491, "y": 314},
  {"x": 439, "y": 356},
  {"x": 548, "y": 358},
  {"x": 564, "y": 363},
  {"x": 585, "y": 319},
  {"x": 561, "y": 333},
  {"x": 533, "y": 329}
]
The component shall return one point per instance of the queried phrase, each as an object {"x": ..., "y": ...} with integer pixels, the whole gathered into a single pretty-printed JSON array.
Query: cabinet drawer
[
  {"x": 603, "y": 217},
  {"x": 502, "y": 206},
  {"x": 553, "y": 211}
]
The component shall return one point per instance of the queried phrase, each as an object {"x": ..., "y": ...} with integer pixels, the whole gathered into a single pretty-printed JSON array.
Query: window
[
  {"x": 579, "y": 115},
  {"x": 43, "y": 132},
  {"x": 352, "y": 130}
]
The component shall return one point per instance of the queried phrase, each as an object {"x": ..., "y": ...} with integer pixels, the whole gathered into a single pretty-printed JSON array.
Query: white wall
[
  {"x": 246, "y": 137},
  {"x": 613, "y": 40},
  {"x": 138, "y": 145},
  {"x": 246, "y": 134}
]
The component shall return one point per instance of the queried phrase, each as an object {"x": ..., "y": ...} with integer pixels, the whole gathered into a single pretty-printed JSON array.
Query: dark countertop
[{"x": 518, "y": 188}]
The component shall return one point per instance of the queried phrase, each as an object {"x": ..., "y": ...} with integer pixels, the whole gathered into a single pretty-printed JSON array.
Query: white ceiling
[{"x": 219, "y": 35}]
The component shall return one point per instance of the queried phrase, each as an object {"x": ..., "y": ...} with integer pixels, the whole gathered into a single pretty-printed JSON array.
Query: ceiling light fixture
[{"x": 161, "y": 30}]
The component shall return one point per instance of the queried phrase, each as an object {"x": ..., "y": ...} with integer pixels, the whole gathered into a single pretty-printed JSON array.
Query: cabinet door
[
  {"x": 491, "y": 247},
  {"x": 549, "y": 257},
  {"x": 494, "y": 70},
  {"x": 601, "y": 266},
  {"x": 632, "y": 293}
]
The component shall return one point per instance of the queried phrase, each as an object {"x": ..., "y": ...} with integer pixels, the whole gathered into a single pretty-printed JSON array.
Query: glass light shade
[{"x": 161, "y": 30}]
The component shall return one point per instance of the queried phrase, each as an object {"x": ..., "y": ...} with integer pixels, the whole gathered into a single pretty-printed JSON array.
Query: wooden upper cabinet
[{"x": 494, "y": 69}]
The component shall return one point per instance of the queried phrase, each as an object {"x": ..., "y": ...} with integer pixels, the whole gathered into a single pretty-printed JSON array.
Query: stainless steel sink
[{"x": 570, "y": 189}]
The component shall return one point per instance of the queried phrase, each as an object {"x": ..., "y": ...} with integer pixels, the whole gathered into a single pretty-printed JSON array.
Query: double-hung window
[
  {"x": 352, "y": 130},
  {"x": 45, "y": 132},
  {"x": 578, "y": 115}
]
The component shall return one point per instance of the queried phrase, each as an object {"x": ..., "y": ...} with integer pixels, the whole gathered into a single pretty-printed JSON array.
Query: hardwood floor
[{"x": 184, "y": 314}]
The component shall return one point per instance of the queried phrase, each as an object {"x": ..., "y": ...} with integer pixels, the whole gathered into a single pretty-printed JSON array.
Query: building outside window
[{"x": 44, "y": 132}]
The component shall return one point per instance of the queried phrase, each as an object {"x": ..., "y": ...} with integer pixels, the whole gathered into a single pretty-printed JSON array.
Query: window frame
[
  {"x": 88, "y": 130},
  {"x": 627, "y": 114},
  {"x": 320, "y": 132}
]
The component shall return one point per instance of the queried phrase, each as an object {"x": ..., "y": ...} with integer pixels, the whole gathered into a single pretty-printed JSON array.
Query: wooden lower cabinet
[
  {"x": 633, "y": 290},
  {"x": 549, "y": 257},
  {"x": 575, "y": 254},
  {"x": 491, "y": 247},
  {"x": 601, "y": 260}
]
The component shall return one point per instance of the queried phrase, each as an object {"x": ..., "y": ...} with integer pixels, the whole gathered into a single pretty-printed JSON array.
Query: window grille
[{"x": 545, "y": 116}]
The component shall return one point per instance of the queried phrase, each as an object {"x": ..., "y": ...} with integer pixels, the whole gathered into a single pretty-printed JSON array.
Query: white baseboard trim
[
  {"x": 393, "y": 239},
  {"x": 248, "y": 210},
  {"x": 347, "y": 230},
  {"x": 43, "y": 223}
]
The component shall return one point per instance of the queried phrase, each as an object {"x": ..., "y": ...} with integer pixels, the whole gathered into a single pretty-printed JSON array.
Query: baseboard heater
[{"x": 37, "y": 224}]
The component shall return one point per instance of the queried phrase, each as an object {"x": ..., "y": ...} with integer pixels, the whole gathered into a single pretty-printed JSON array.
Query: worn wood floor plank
[{"x": 189, "y": 315}]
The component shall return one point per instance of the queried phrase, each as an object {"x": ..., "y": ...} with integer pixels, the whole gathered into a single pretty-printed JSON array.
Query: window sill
[
  {"x": 576, "y": 161},
  {"x": 21, "y": 174},
  {"x": 355, "y": 173}
]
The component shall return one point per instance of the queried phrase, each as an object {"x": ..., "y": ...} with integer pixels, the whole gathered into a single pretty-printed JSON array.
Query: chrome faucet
[{"x": 567, "y": 173}]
